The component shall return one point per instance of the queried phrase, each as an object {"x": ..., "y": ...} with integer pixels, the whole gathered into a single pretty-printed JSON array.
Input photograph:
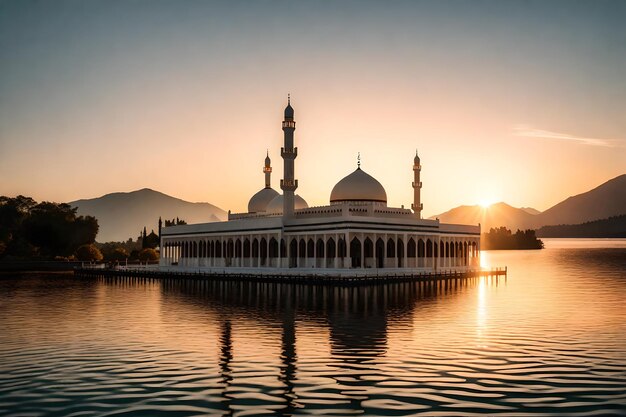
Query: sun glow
[{"x": 486, "y": 202}]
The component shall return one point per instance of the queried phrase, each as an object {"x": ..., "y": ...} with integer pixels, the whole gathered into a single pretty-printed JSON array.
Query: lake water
[{"x": 548, "y": 340}]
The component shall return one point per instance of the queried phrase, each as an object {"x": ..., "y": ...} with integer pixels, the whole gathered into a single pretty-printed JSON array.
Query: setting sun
[{"x": 486, "y": 202}]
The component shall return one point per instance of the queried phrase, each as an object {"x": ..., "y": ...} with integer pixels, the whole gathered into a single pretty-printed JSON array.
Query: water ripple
[{"x": 548, "y": 340}]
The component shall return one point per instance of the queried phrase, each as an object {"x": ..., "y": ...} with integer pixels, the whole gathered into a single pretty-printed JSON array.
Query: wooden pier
[{"x": 365, "y": 278}]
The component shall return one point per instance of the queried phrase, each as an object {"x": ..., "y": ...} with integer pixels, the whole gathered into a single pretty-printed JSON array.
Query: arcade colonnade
[{"x": 315, "y": 250}]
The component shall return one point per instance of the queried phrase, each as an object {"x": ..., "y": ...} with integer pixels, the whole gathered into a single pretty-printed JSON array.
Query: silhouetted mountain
[
  {"x": 123, "y": 215},
  {"x": 496, "y": 215},
  {"x": 604, "y": 201},
  {"x": 530, "y": 210},
  {"x": 606, "y": 228}
]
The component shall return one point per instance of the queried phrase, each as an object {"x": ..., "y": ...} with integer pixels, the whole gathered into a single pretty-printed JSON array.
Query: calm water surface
[{"x": 548, "y": 340}]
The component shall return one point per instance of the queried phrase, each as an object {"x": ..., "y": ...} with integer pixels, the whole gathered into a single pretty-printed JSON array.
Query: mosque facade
[{"x": 355, "y": 231}]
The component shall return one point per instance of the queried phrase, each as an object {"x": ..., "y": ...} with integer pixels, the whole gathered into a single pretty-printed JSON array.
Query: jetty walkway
[{"x": 310, "y": 276}]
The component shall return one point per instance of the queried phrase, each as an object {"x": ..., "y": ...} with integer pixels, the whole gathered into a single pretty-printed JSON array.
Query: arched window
[
  {"x": 263, "y": 249},
  {"x": 380, "y": 253},
  {"x": 238, "y": 248},
  {"x": 330, "y": 248},
  {"x": 293, "y": 253},
  {"x": 342, "y": 248},
  {"x": 391, "y": 248},
  {"x": 319, "y": 248},
  {"x": 411, "y": 248},
  {"x": 421, "y": 248},
  {"x": 255, "y": 248},
  {"x": 273, "y": 248},
  {"x": 400, "y": 252},
  {"x": 369, "y": 248},
  {"x": 246, "y": 248},
  {"x": 302, "y": 249},
  {"x": 355, "y": 252},
  {"x": 230, "y": 248}
]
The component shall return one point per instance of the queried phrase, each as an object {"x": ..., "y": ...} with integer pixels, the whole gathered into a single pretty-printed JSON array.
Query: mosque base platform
[{"x": 337, "y": 277}]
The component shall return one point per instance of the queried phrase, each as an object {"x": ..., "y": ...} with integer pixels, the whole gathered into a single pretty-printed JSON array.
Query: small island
[{"x": 502, "y": 238}]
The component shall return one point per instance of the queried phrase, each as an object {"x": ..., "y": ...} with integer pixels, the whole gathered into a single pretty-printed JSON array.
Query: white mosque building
[{"x": 357, "y": 231}]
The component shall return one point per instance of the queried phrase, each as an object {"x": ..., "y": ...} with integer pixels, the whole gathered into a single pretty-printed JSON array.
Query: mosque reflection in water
[{"x": 356, "y": 319}]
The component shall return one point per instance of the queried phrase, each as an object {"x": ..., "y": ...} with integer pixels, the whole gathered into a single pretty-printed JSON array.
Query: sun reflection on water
[{"x": 481, "y": 313}]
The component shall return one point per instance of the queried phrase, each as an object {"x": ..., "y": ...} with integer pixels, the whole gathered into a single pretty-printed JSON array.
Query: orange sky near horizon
[{"x": 503, "y": 106}]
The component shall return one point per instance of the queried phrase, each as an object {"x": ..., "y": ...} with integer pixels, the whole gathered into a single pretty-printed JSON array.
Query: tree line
[
  {"x": 54, "y": 231},
  {"x": 612, "y": 227},
  {"x": 42, "y": 230}
]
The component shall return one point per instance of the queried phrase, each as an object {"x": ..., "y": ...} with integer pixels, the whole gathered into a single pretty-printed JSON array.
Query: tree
[
  {"x": 28, "y": 228},
  {"x": 88, "y": 252},
  {"x": 148, "y": 254},
  {"x": 119, "y": 254},
  {"x": 13, "y": 211},
  {"x": 502, "y": 238},
  {"x": 151, "y": 240}
]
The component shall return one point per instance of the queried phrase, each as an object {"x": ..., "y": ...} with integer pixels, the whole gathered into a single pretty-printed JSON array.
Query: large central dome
[{"x": 358, "y": 186}]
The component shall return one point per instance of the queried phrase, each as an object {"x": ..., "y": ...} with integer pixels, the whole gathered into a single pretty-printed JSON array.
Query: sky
[{"x": 515, "y": 101}]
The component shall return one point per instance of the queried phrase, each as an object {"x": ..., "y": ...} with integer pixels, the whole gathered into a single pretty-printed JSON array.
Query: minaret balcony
[
  {"x": 289, "y": 153},
  {"x": 417, "y": 167},
  {"x": 421, "y": 207},
  {"x": 289, "y": 124},
  {"x": 417, "y": 184},
  {"x": 288, "y": 185}
]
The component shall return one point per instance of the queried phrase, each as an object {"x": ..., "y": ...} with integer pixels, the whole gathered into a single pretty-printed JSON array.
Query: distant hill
[
  {"x": 604, "y": 201},
  {"x": 123, "y": 215},
  {"x": 530, "y": 210},
  {"x": 606, "y": 228},
  {"x": 496, "y": 215}
]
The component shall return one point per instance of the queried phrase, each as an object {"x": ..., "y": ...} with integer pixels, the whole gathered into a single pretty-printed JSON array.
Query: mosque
[{"x": 354, "y": 232}]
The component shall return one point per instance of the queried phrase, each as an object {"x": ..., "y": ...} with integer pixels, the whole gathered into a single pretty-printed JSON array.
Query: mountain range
[
  {"x": 124, "y": 215},
  {"x": 606, "y": 200}
]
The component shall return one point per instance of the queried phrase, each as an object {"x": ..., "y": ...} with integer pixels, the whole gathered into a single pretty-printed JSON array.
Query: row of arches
[{"x": 322, "y": 251}]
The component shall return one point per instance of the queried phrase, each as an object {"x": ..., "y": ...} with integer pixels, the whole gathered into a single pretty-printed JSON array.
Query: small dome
[
  {"x": 258, "y": 203},
  {"x": 276, "y": 205},
  {"x": 288, "y": 112},
  {"x": 358, "y": 186}
]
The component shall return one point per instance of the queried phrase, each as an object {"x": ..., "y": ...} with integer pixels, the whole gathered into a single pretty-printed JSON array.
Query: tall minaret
[
  {"x": 417, "y": 206},
  {"x": 267, "y": 170},
  {"x": 288, "y": 184}
]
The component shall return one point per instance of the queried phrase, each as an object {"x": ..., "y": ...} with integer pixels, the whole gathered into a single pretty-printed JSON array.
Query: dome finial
[
  {"x": 289, "y": 109},
  {"x": 358, "y": 160}
]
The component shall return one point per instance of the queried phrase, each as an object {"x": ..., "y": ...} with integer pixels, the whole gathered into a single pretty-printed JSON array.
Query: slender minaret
[
  {"x": 288, "y": 184},
  {"x": 267, "y": 170},
  {"x": 417, "y": 206}
]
